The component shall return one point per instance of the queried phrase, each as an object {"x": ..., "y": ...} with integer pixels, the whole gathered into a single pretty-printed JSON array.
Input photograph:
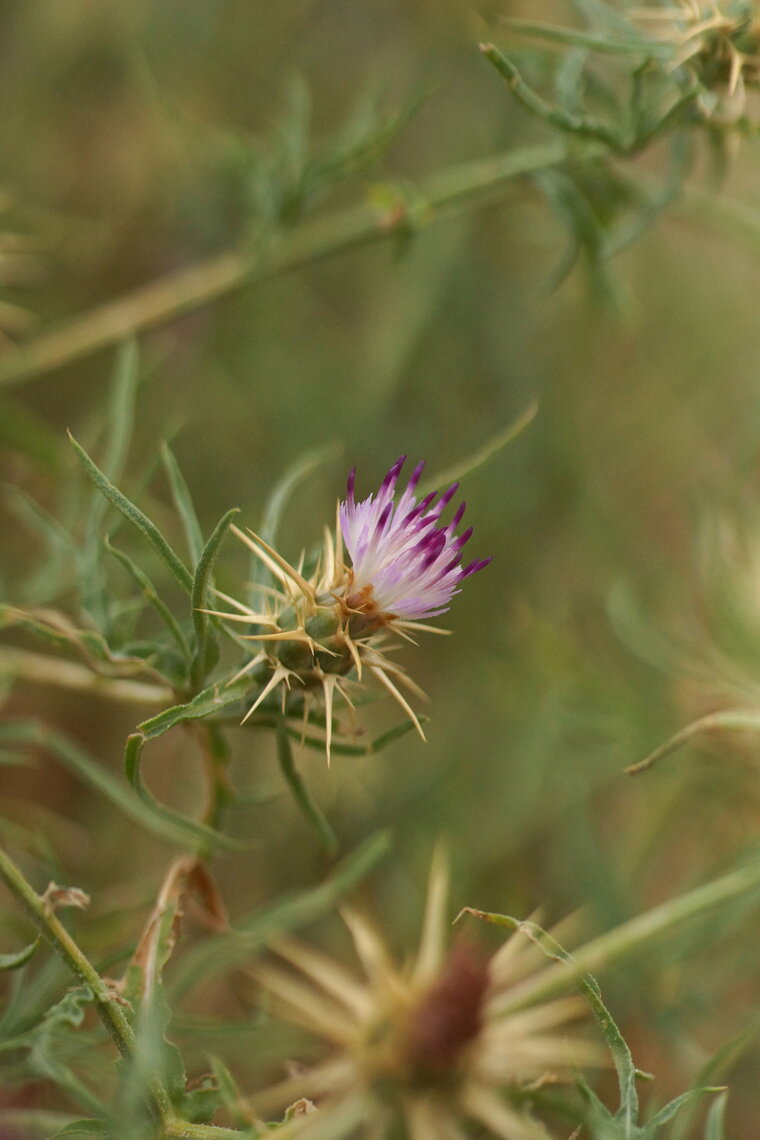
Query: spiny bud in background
[
  {"x": 719, "y": 43},
  {"x": 436, "y": 1041},
  {"x": 320, "y": 633}
]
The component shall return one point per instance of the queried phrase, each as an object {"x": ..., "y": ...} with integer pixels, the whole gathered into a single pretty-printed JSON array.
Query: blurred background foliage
[{"x": 623, "y": 599}]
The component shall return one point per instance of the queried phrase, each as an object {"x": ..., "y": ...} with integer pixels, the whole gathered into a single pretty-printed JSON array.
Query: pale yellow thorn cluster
[
  {"x": 302, "y": 598},
  {"x": 695, "y": 22},
  {"x": 369, "y": 1079}
]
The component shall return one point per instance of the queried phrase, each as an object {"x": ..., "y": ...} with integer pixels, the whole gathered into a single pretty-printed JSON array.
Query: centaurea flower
[
  {"x": 321, "y": 632},
  {"x": 403, "y": 564}
]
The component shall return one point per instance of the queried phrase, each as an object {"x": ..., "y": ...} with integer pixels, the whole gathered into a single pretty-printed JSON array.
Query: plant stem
[
  {"x": 638, "y": 931},
  {"x": 466, "y": 186},
  {"x": 184, "y": 1130},
  {"x": 216, "y": 758},
  {"x": 41, "y": 669},
  {"x": 109, "y": 1008},
  {"x": 301, "y": 795}
]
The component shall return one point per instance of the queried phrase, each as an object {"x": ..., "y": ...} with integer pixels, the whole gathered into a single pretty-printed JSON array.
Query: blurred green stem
[
  {"x": 107, "y": 1002},
  {"x": 216, "y": 757},
  {"x": 467, "y": 186},
  {"x": 630, "y": 936},
  {"x": 41, "y": 669},
  {"x": 301, "y": 794}
]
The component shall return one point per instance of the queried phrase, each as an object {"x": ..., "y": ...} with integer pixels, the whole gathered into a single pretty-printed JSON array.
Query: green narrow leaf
[
  {"x": 99, "y": 778},
  {"x": 480, "y": 457},
  {"x": 210, "y": 700},
  {"x": 230, "y": 1095},
  {"x": 280, "y": 917},
  {"x": 134, "y": 515},
  {"x": 50, "y": 1039},
  {"x": 20, "y": 958},
  {"x": 308, "y": 806},
  {"x": 120, "y": 421},
  {"x": 25, "y": 431},
  {"x": 337, "y": 747},
  {"x": 554, "y": 33},
  {"x": 151, "y": 594},
  {"x": 206, "y": 645},
  {"x": 285, "y": 487},
  {"x": 279, "y": 499},
  {"x": 733, "y": 720},
  {"x": 58, "y": 567},
  {"x": 714, "y": 1128},
  {"x": 197, "y": 835},
  {"x": 621, "y": 1054},
  {"x": 184, "y": 503},
  {"x": 720, "y": 1063},
  {"x": 88, "y": 1127},
  {"x": 667, "y": 1113}
]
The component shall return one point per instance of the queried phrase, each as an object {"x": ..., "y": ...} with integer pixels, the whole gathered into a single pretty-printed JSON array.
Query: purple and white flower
[{"x": 404, "y": 563}]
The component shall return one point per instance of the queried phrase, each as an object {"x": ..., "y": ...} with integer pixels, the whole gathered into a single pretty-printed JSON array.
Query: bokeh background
[{"x": 624, "y": 595}]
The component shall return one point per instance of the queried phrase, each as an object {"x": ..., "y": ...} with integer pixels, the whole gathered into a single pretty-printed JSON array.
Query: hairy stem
[{"x": 108, "y": 1005}]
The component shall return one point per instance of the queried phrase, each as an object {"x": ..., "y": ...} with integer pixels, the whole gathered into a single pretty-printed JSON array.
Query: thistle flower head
[
  {"x": 719, "y": 42},
  {"x": 438, "y": 1042},
  {"x": 322, "y": 631},
  {"x": 404, "y": 562}
]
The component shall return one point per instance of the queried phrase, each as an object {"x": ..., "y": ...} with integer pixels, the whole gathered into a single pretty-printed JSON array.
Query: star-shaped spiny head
[
  {"x": 391, "y": 564},
  {"x": 434, "y": 1041}
]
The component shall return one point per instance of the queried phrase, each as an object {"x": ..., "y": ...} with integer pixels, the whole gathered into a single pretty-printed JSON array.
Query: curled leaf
[
  {"x": 55, "y": 897},
  {"x": 20, "y": 958}
]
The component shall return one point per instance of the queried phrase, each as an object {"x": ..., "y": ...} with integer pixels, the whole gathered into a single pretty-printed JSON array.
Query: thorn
[{"x": 385, "y": 680}]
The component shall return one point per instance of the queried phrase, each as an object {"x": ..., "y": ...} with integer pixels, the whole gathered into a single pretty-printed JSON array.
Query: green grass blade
[
  {"x": 621, "y": 1054},
  {"x": 337, "y": 747},
  {"x": 308, "y": 806},
  {"x": 666, "y": 1114}
]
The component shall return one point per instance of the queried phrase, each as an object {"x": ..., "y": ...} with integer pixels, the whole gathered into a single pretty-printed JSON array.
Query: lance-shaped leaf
[
  {"x": 206, "y": 645},
  {"x": 276, "y": 919},
  {"x": 151, "y": 594},
  {"x": 183, "y": 501},
  {"x": 134, "y": 515},
  {"x": 188, "y": 883},
  {"x": 213, "y": 699},
  {"x": 623, "y": 1124},
  {"x": 96, "y": 776},
  {"x": 197, "y": 834},
  {"x": 20, "y": 958},
  {"x": 120, "y": 422}
]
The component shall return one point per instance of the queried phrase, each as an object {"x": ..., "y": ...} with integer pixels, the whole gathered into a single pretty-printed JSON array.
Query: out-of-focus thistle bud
[
  {"x": 719, "y": 43},
  {"x": 428, "y": 1047},
  {"x": 319, "y": 634}
]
